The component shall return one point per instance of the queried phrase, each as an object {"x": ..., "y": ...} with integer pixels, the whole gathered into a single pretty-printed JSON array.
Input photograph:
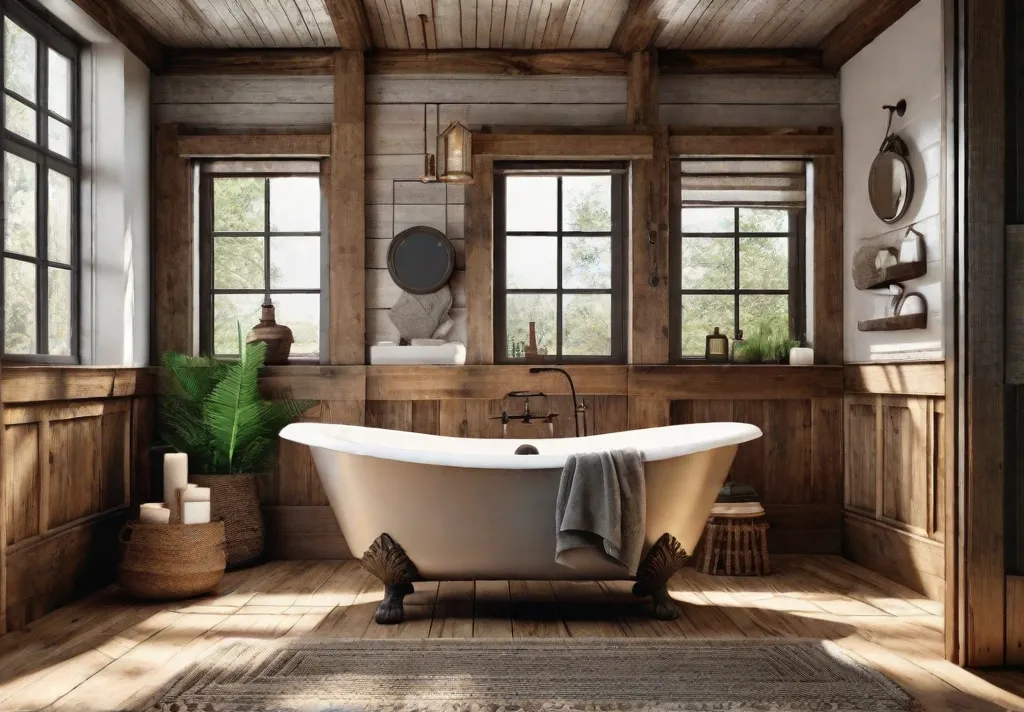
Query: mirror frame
[
  {"x": 401, "y": 237},
  {"x": 894, "y": 148}
]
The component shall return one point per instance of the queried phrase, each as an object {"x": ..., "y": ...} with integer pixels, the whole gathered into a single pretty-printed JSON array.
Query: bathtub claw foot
[
  {"x": 387, "y": 560},
  {"x": 662, "y": 561},
  {"x": 392, "y": 609}
]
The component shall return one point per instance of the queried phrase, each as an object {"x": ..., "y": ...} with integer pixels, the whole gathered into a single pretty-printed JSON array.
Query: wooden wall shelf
[
  {"x": 887, "y": 276},
  {"x": 894, "y": 323}
]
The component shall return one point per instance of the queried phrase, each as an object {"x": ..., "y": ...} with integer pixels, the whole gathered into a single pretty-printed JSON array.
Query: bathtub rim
[{"x": 687, "y": 439}]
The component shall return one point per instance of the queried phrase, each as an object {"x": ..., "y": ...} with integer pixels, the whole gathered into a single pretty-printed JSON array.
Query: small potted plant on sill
[
  {"x": 764, "y": 347},
  {"x": 212, "y": 411}
]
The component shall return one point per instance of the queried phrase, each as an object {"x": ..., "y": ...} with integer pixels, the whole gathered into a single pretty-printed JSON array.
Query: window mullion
[
  {"x": 558, "y": 276},
  {"x": 266, "y": 240}
]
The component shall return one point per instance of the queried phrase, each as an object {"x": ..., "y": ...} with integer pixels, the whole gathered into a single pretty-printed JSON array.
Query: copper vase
[{"x": 277, "y": 337}]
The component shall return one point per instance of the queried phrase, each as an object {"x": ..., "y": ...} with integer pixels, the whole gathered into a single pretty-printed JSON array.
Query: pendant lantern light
[{"x": 455, "y": 154}]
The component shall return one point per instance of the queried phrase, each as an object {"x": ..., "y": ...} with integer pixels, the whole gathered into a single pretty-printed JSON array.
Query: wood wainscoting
[
  {"x": 75, "y": 459},
  {"x": 797, "y": 466},
  {"x": 894, "y": 485}
]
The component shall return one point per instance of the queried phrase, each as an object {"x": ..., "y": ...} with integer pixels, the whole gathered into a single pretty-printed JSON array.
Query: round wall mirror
[
  {"x": 421, "y": 260},
  {"x": 891, "y": 181}
]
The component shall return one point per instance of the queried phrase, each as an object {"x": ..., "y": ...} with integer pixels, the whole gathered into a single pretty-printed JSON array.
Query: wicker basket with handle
[
  {"x": 170, "y": 561},
  {"x": 235, "y": 500}
]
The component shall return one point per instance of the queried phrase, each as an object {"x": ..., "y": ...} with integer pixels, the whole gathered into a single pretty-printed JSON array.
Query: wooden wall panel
[
  {"x": 795, "y": 467},
  {"x": 894, "y": 488},
  {"x": 21, "y": 471},
  {"x": 861, "y": 455},
  {"x": 1015, "y": 620},
  {"x": 69, "y": 468}
]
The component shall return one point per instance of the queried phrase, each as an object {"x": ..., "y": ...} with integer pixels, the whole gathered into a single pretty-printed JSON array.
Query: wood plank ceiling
[{"x": 624, "y": 25}]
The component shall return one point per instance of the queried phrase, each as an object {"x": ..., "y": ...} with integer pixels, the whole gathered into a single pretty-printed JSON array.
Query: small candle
[
  {"x": 175, "y": 478},
  {"x": 195, "y": 512},
  {"x": 801, "y": 356},
  {"x": 195, "y": 494},
  {"x": 154, "y": 514}
]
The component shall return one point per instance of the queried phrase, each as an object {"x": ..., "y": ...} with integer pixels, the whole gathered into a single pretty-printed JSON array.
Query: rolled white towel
[{"x": 428, "y": 342}]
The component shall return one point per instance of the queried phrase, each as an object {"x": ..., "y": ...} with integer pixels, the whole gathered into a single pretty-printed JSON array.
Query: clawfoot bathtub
[{"x": 425, "y": 507}]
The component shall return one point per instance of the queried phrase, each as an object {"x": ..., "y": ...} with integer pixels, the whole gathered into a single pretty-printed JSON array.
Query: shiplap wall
[{"x": 405, "y": 112}]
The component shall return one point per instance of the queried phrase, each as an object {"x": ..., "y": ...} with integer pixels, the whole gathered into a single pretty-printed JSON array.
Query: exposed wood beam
[
  {"x": 741, "y": 61},
  {"x": 827, "y": 247},
  {"x": 981, "y": 313},
  {"x": 347, "y": 221},
  {"x": 172, "y": 245},
  {"x": 118, "y": 21},
  {"x": 350, "y": 24},
  {"x": 251, "y": 145},
  {"x": 584, "y": 146},
  {"x": 508, "y": 62},
  {"x": 649, "y": 215},
  {"x": 511, "y": 62},
  {"x": 640, "y": 25},
  {"x": 751, "y": 142},
  {"x": 479, "y": 216},
  {"x": 297, "y": 62},
  {"x": 862, "y": 26}
]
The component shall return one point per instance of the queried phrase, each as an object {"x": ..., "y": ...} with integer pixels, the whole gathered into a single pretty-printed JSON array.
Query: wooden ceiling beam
[
  {"x": 858, "y": 30},
  {"x": 639, "y": 26},
  {"x": 351, "y": 24},
  {"x": 508, "y": 62},
  {"x": 741, "y": 61},
  {"x": 118, "y": 21},
  {"x": 295, "y": 62}
]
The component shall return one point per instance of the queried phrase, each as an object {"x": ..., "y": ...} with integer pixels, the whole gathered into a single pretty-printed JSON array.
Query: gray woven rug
[{"x": 311, "y": 675}]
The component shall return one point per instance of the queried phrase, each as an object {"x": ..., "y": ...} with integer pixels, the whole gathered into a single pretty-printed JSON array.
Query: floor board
[{"x": 106, "y": 652}]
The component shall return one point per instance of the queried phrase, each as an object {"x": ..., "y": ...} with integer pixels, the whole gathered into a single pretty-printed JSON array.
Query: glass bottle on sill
[
  {"x": 717, "y": 347},
  {"x": 737, "y": 345}
]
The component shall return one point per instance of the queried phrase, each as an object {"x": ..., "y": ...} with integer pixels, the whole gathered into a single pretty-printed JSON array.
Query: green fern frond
[{"x": 233, "y": 408}]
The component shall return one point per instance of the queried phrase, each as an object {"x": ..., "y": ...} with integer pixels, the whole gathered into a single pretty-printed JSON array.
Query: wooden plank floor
[{"x": 106, "y": 653}]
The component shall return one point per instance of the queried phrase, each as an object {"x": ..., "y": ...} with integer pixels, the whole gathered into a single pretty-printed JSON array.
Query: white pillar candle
[
  {"x": 193, "y": 512},
  {"x": 175, "y": 478},
  {"x": 154, "y": 514},
  {"x": 801, "y": 356}
]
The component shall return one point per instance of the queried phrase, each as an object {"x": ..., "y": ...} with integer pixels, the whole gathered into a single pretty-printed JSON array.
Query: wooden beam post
[
  {"x": 982, "y": 242},
  {"x": 173, "y": 246},
  {"x": 350, "y": 24},
  {"x": 828, "y": 258},
  {"x": 116, "y": 19},
  {"x": 480, "y": 262},
  {"x": 347, "y": 214},
  {"x": 649, "y": 218}
]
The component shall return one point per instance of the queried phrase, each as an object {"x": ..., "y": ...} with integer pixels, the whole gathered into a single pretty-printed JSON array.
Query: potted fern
[{"x": 212, "y": 411}]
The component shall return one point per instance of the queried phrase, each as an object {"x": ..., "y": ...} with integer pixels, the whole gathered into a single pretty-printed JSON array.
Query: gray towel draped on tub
[{"x": 602, "y": 504}]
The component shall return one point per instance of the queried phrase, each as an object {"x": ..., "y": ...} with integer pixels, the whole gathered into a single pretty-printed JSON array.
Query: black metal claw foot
[
  {"x": 388, "y": 561},
  {"x": 663, "y": 560},
  {"x": 392, "y": 608}
]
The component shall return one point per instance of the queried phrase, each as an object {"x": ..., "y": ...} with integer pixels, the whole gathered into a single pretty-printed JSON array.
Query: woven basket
[
  {"x": 235, "y": 500},
  {"x": 170, "y": 561}
]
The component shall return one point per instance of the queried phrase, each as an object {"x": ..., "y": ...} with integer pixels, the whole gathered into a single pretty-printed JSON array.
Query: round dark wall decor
[{"x": 421, "y": 260}]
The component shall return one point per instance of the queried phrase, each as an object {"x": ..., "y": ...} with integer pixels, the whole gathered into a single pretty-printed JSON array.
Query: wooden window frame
[
  {"x": 49, "y": 33},
  {"x": 797, "y": 273},
  {"x": 207, "y": 234},
  {"x": 619, "y": 269}
]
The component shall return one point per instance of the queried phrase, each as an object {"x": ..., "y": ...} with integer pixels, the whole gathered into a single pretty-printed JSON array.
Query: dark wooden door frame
[{"x": 974, "y": 293}]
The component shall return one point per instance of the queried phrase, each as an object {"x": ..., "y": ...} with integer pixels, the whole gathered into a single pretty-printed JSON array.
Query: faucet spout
[{"x": 579, "y": 406}]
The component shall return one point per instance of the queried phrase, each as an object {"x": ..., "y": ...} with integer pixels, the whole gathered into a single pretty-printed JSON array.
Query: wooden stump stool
[{"x": 735, "y": 545}]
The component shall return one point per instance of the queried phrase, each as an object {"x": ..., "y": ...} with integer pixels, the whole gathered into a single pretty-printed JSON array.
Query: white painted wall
[
  {"x": 114, "y": 219},
  {"x": 906, "y": 61}
]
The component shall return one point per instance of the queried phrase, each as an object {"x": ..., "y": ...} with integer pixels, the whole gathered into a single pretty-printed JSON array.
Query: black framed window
[
  {"x": 736, "y": 268},
  {"x": 260, "y": 239},
  {"x": 40, "y": 196},
  {"x": 560, "y": 261}
]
